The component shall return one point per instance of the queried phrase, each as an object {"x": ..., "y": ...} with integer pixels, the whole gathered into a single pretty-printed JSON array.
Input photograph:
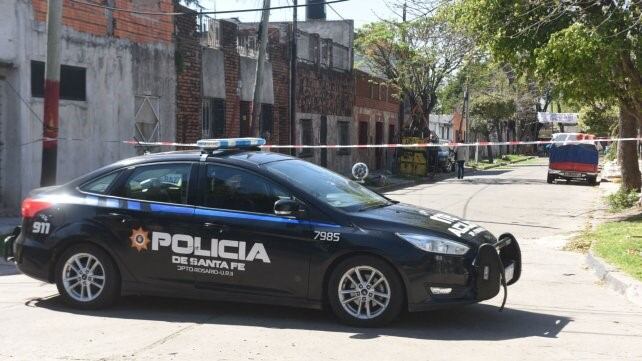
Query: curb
[{"x": 614, "y": 279}]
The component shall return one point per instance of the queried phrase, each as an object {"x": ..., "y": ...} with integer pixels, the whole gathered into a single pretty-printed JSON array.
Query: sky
[{"x": 361, "y": 11}]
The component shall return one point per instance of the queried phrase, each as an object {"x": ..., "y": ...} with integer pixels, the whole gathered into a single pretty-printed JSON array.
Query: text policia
[{"x": 222, "y": 258}]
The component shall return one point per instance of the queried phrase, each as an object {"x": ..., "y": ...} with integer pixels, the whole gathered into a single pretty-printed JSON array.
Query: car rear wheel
[
  {"x": 87, "y": 277},
  {"x": 550, "y": 179},
  {"x": 365, "y": 291}
]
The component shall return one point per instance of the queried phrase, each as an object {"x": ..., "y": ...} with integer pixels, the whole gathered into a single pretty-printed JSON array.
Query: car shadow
[{"x": 474, "y": 322}]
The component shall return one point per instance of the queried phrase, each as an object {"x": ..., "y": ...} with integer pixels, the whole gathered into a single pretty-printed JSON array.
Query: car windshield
[{"x": 329, "y": 187}]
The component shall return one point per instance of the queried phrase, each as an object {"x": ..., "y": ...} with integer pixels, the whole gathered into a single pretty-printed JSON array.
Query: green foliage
[
  {"x": 580, "y": 63},
  {"x": 619, "y": 243},
  {"x": 493, "y": 108},
  {"x": 598, "y": 119},
  {"x": 611, "y": 153},
  {"x": 622, "y": 199}
]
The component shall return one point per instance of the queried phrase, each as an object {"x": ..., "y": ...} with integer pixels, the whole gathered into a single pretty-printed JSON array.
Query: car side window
[
  {"x": 235, "y": 189},
  {"x": 166, "y": 183},
  {"x": 101, "y": 184}
]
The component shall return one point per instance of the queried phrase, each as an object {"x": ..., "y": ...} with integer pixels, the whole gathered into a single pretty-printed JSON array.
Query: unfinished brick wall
[
  {"x": 188, "y": 78},
  {"x": 324, "y": 91},
  {"x": 138, "y": 28},
  {"x": 232, "y": 64},
  {"x": 371, "y": 93},
  {"x": 279, "y": 56}
]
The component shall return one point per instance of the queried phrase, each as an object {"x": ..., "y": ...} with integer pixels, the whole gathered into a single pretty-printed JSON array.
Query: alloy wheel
[
  {"x": 364, "y": 292},
  {"x": 83, "y": 277}
]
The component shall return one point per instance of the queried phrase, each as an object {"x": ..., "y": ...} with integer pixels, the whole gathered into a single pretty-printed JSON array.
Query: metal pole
[
  {"x": 255, "y": 126},
  {"x": 293, "y": 58},
  {"x": 52, "y": 94},
  {"x": 467, "y": 128}
]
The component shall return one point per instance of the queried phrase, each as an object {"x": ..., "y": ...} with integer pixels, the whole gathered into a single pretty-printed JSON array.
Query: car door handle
[
  {"x": 215, "y": 226},
  {"x": 123, "y": 218}
]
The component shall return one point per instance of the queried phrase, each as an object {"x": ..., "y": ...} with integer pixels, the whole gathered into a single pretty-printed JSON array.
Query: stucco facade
[{"x": 129, "y": 87}]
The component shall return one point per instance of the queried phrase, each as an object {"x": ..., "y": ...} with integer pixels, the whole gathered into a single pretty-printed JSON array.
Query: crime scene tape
[{"x": 415, "y": 145}]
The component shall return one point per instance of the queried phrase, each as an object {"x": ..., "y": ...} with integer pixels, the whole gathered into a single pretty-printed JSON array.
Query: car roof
[{"x": 235, "y": 155}]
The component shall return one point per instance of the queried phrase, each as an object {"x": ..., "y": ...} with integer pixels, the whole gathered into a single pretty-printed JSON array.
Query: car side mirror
[{"x": 287, "y": 207}]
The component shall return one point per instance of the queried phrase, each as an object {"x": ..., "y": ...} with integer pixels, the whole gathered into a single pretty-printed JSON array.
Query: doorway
[{"x": 323, "y": 140}]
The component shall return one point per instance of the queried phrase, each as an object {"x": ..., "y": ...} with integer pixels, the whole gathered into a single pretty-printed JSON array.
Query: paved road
[{"x": 556, "y": 312}]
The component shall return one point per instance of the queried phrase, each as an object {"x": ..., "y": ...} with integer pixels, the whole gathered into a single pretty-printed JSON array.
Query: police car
[{"x": 230, "y": 222}]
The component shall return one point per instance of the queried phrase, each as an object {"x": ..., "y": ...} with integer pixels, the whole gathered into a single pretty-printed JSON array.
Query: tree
[
  {"x": 492, "y": 113},
  {"x": 590, "y": 50},
  {"x": 599, "y": 119},
  {"x": 416, "y": 56}
]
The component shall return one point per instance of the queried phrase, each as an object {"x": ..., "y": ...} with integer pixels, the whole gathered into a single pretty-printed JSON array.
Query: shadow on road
[
  {"x": 474, "y": 322},
  {"x": 502, "y": 181}
]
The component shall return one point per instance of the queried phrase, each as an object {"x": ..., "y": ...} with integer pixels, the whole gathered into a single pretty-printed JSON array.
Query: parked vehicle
[
  {"x": 445, "y": 159},
  {"x": 573, "y": 161},
  {"x": 233, "y": 223}
]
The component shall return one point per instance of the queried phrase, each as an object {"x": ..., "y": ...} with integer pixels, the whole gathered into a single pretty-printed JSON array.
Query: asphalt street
[{"x": 556, "y": 312}]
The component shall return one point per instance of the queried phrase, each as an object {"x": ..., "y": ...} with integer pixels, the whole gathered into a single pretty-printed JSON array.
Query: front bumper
[{"x": 484, "y": 278}]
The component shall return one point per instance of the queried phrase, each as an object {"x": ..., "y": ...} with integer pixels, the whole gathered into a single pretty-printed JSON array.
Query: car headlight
[{"x": 434, "y": 244}]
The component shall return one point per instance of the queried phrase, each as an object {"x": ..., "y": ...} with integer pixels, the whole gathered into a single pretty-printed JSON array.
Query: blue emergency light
[{"x": 230, "y": 143}]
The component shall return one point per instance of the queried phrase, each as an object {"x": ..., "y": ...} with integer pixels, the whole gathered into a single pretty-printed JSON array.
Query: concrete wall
[
  {"x": 117, "y": 71},
  {"x": 337, "y": 162},
  {"x": 340, "y": 31},
  {"x": 213, "y": 73},
  {"x": 248, "y": 75}
]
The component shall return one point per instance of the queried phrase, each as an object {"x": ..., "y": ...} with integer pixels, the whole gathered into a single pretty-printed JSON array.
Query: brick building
[
  {"x": 376, "y": 112},
  {"x": 335, "y": 104},
  {"x": 118, "y": 81}
]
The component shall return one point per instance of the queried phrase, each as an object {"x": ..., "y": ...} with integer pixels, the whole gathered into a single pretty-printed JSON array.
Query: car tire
[
  {"x": 357, "y": 275},
  {"x": 87, "y": 277},
  {"x": 550, "y": 179},
  {"x": 592, "y": 181}
]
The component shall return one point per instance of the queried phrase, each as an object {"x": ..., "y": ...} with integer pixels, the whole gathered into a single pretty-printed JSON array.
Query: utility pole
[
  {"x": 293, "y": 58},
  {"x": 52, "y": 94},
  {"x": 402, "y": 103},
  {"x": 255, "y": 126},
  {"x": 465, "y": 115}
]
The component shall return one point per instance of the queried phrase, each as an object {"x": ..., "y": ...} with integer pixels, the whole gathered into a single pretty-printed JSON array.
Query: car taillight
[{"x": 31, "y": 207}]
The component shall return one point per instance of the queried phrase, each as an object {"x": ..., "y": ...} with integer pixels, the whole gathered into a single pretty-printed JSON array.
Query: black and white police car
[{"x": 230, "y": 222}]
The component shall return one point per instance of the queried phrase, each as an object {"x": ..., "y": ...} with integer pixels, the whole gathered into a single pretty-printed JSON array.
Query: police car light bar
[{"x": 230, "y": 143}]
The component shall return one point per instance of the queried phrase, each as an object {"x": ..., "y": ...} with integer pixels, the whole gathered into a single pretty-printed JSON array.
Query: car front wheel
[
  {"x": 87, "y": 277},
  {"x": 365, "y": 291}
]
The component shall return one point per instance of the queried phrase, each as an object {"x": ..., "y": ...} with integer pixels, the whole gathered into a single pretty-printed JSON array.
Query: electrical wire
[
  {"x": 24, "y": 101},
  {"x": 336, "y": 12},
  {"x": 207, "y": 12}
]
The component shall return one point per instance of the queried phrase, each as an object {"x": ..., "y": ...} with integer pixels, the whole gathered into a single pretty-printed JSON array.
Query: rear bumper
[
  {"x": 571, "y": 174},
  {"x": 487, "y": 274},
  {"x": 29, "y": 255},
  {"x": 7, "y": 248}
]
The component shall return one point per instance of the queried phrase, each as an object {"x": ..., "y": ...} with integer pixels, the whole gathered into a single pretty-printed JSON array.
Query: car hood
[{"x": 407, "y": 218}]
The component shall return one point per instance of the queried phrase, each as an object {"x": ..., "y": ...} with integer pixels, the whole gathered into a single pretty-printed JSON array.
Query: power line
[
  {"x": 208, "y": 12},
  {"x": 336, "y": 12}
]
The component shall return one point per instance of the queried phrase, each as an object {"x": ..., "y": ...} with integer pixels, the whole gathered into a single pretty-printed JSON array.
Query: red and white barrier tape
[
  {"x": 416, "y": 145},
  {"x": 337, "y": 146}
]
